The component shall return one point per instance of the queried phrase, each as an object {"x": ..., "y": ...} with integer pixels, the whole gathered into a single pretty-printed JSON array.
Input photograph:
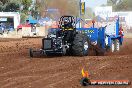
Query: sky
[{"x": 94, "y": 3}]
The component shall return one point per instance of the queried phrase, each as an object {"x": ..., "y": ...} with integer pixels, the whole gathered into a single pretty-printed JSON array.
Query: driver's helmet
[{"x": 66, "y": 21}]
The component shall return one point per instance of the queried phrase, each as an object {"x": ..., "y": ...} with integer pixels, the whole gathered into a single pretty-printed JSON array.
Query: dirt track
[{"x": 17, "y": 70}]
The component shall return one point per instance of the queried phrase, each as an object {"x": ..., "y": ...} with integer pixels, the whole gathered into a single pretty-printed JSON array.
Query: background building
[{"x": 10, "y": 18}]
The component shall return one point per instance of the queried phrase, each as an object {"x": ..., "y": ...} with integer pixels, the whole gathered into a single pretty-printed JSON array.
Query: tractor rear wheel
[
  {"x": 80, "y": 45},
  {"x": 112, "y": 47},
  {"x": 117, "y": 45}
]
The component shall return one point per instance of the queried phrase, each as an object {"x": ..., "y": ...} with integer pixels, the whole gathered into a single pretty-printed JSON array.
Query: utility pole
[
  {"x": 79, "y": 13},
  {"x": 81, "y": 10}
]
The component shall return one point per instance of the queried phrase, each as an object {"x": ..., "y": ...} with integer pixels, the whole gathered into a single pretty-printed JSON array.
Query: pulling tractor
[{"x": 69, "y": 40}]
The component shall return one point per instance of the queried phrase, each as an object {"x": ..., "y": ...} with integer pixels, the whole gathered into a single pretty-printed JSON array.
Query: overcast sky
[{"x": 94, "y": 3}]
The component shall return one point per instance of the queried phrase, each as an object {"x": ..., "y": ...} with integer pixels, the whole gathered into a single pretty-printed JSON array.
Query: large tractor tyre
[
  {"x": 117, "y": 45},
  {"x": 80, "y": 45},
  {"x": 68, "y": 52}
]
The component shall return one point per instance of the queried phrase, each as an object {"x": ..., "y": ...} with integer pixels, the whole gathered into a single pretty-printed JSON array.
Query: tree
[
  {"x": 113, "y": 2},
  {"x": 9, "y": 5},
  {"x": 125, "y": 5},
  {"x": 4, "y": 1},
  {"x": 12, "y": 7},
  {"x": 27, "y": 4},
  {"x": 73, "y": 7},
  {"x": 1, "y": 6},
  {"x": 42, "y": 6},
  {"x": 65, "y": 7},
  {"x": 120, "y": 5}
]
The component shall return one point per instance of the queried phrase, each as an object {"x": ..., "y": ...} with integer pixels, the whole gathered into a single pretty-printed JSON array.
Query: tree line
[
  {"x": 65, "y": 7},
  {"x": 120, "y": 5},
  {"x": 14, "y": 5}
]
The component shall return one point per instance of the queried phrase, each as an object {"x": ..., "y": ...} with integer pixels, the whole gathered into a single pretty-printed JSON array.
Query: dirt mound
[{"x": 17, "y": 70}]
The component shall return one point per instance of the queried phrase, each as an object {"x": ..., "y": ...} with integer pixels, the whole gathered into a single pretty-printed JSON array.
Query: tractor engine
[
  {"x": 64, "y": 40},
  {"x": 59, "y": 39},
  {"x": 52, "y": 43}
]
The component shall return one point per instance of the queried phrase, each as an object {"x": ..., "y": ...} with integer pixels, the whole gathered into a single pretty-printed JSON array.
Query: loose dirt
[{"x": 18, "y": 70}]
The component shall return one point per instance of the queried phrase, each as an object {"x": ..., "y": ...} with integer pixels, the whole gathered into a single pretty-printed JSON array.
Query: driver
[
  {"x": 67, "y": 25},
  {"x": 68, "y": 30}
]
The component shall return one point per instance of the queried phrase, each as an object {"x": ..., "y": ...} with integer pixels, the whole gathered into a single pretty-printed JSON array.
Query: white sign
[
  {"x": 3, "y": 19},
  {"x": 103, "y": 11}
]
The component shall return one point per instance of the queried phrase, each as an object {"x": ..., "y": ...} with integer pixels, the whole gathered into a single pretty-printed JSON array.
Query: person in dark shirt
[{"x": 67, "y": 25}]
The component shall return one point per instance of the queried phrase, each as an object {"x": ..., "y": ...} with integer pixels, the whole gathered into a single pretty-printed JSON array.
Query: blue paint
[
  {"x": 99, "y": 35},
  {"x": 92, "y": 33}
]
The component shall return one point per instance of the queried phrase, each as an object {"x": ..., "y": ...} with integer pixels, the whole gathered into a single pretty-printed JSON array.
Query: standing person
[
  {"x": 33, "y": 29},
  {"x": 121, "y": 32}
]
